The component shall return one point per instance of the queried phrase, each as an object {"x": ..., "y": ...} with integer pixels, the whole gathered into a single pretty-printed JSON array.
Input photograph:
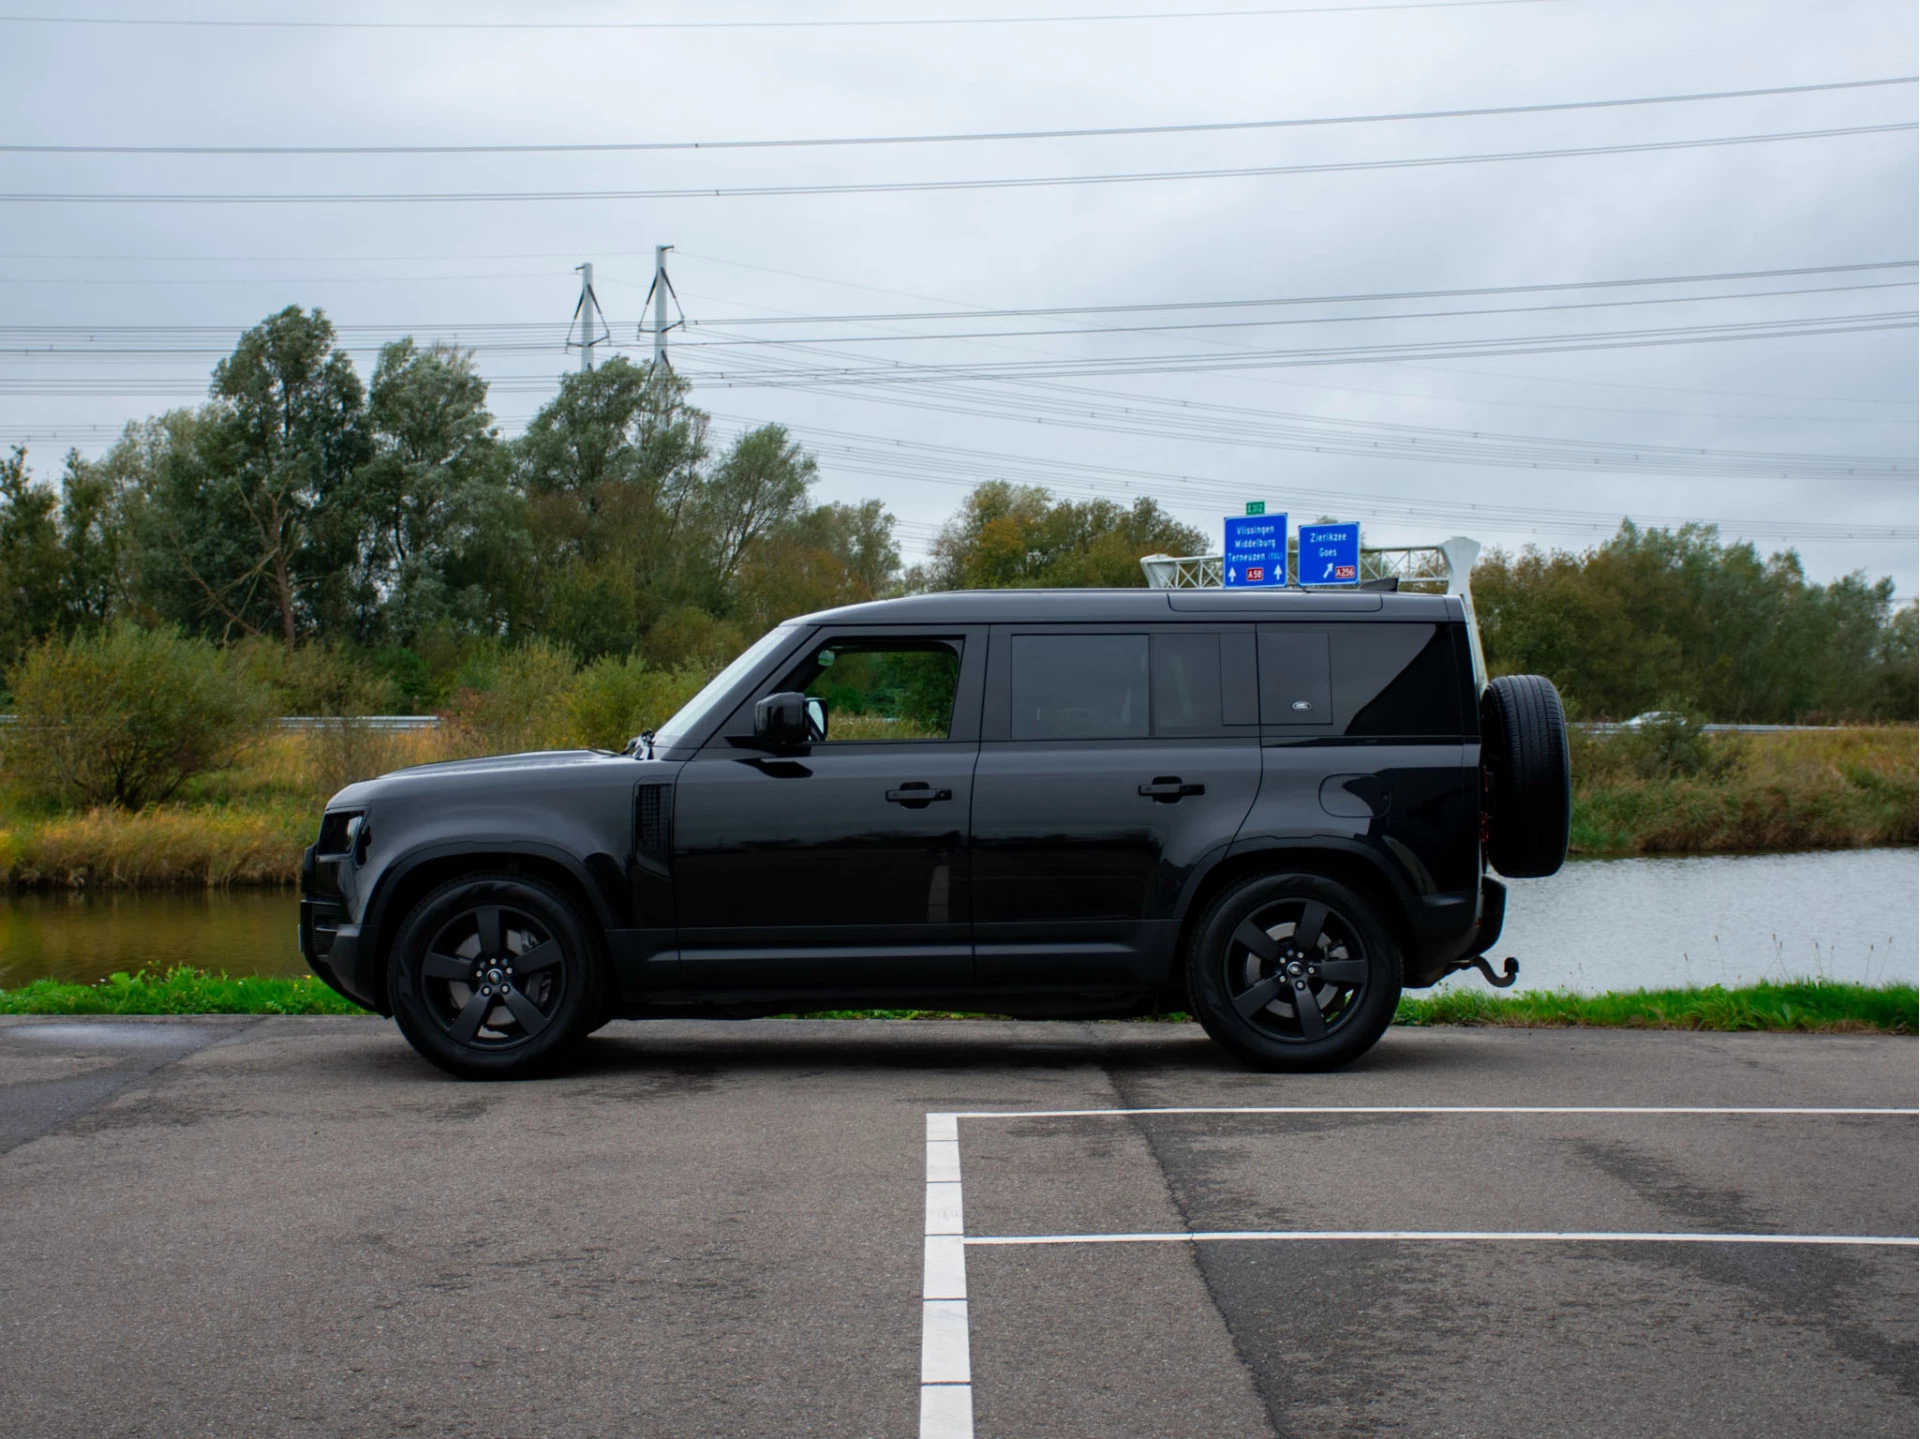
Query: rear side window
[
  {"x": 1186, "y": 683},
  {"x": 1397, "y": 680},
  {"x": 1080, "y": 687}
]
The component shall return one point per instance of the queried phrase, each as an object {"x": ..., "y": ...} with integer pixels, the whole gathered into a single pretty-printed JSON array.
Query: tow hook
[{"x": 1510, "y": 970}]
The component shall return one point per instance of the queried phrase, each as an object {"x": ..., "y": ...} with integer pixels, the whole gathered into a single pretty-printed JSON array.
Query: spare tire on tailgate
[{"x": 1529, "y": 785}]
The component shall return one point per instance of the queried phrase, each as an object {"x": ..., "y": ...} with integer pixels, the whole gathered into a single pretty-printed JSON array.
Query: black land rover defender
[{"x": 1273, "y": 809}]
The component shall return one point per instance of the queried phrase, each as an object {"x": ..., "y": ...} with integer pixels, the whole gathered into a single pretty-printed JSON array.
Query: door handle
[
  {"x": 1170, "y": 789},
  {"x": 917, "y": 794}
]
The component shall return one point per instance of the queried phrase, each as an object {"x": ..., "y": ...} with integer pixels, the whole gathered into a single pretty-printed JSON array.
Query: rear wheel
[
  {"x": 495, "y": 976},
  {"x": 1293, "y": 972}
]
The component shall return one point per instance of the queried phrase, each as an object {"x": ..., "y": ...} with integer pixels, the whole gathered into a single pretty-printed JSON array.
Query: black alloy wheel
[
  {"x": 494, "y": 975},
  {"x": 1293, "y": 971}
]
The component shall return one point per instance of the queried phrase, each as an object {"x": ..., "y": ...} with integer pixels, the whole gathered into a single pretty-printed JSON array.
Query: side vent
[{"x": 653, "y": 825}]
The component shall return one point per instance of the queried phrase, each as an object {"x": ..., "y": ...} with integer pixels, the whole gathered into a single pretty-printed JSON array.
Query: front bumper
[{"x": 328, "y": 942}]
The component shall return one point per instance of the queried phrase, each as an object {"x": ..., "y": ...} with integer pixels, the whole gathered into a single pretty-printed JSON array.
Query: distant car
[
  {"x": 1654, "y": 718},
  {"x": 1270, "y": 809}
]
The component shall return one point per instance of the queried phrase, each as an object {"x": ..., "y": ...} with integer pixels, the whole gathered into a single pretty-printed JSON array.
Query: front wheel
[
  {"x": 1293, "y": 972},
  {"x": 495, "y": 976}
]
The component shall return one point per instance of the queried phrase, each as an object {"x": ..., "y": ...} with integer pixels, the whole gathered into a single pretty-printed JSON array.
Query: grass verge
[
  {"x": 1814, "y": 1007},
  {"x": 177, "y": 991},
  {"x": 1810, "y": 1007}
]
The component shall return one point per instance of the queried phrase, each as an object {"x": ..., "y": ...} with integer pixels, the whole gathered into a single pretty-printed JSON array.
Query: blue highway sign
[
  {"x": 1329, "y": 554},
  {"x": 1255, "y": 552}
]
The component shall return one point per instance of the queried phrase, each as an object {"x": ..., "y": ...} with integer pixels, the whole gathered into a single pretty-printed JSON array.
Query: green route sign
[{"x": 1256, "y": 507}]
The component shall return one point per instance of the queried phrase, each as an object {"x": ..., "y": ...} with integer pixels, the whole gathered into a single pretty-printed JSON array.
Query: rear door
[{"x": 1114, "y": 761}]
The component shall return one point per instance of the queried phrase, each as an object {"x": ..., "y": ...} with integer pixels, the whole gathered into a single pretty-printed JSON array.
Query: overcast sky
[{"x": 1798, "y": 429}]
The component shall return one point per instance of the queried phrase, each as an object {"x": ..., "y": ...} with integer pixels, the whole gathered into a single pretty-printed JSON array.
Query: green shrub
[
  {"x": 125, "y": 717},
  {"x": 521, "y": 705},
  {"x": 612, "y": 700}
]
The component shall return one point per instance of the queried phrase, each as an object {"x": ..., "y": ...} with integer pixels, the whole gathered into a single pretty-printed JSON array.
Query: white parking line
[
  {"x": 1408, "y": 1109},
  {"x": 1590, "y": 1236},
  {"x": 946, "y": 1367}
]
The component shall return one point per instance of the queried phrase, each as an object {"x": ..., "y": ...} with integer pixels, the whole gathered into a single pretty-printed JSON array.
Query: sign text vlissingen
[
  {"x": 1329, "y": 554},
  {"x": 1255, "y": 552}
]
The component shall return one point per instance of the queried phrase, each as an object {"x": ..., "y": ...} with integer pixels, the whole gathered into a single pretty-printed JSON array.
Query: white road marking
[
  {"x": 946, "y": 1364},
  {"x": 1595, "y": 1236},
  {"x": 944, "y": 1274},
  {"x": 946, "y": 1371},
  {"x": 943, "y": 1207},
  {"x": 1412, "y": 1109},
  {"x": 946, "y": 1411}
]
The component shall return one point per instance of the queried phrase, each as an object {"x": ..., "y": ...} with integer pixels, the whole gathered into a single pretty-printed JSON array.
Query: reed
[{"x": 1832, "y": 789}]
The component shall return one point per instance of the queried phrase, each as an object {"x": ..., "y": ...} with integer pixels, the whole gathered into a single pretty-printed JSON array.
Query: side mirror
[
  {"x": 780, "y": 720},
  {"x": 816, "y": 718}
]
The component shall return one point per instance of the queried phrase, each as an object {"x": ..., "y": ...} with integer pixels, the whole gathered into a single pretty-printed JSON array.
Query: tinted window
[
  {"x": 1294, "y": 688},
  {"x": 1397, "y": 680},
  {"x": 883, "y": 689},
  {"x": 1186, "y": 684},
  {"x": 1079, "y": 686}
]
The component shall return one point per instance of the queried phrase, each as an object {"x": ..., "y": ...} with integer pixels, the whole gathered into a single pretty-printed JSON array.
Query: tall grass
[
  {"x": 1832, "y": 789},
  {"x": 247, "y": 824}
]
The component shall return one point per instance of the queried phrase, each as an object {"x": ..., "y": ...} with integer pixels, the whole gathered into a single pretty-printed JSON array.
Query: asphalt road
[{"x": 294, "y": 1227}]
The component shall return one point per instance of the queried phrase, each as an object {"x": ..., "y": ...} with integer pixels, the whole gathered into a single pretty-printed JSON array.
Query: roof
[{"x": 1138, "y": 606}]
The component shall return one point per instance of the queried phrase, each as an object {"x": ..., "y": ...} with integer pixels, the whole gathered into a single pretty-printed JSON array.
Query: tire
[
  {"x": 501, "y": 1019},
  {"x": 1529, "y": 782},
  {"x": 1243, "y": 957}
]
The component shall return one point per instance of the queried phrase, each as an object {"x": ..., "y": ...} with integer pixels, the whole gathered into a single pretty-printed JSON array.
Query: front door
[
  {"x": 1114, "y": 762},
  {"x": 843, "y": 864}
]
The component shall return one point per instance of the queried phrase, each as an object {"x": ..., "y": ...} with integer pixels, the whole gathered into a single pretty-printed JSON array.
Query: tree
[
  {"x": 249, "y": 509},
  {"x": 437, "y": 470},
  {"x": 822, "y": 557},
  {"x": 1657, "y": 619},
  {"x": 30, "y": 558},
  {"x": 1013, "y": 535},
  {"x": 760, "y": 486},
  {"x": 611, "y": 470}
]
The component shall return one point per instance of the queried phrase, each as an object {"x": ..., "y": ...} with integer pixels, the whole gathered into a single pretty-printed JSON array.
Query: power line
[
  {"x": 847, "y": 24},
  {"x": 947, "y": 464},
  {"x": 880, "y": 187},
  {"x": 1306, "y": 319},
  {"x": 1106, "y": 411},
  {"x": 900, "y": 372},
  {"x": 1342, "y": 299},
  {"x": 163, "y": 339},
  {"x": 1102, "y": 132}
]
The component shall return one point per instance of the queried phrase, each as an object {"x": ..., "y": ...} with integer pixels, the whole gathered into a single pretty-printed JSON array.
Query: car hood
[{"x": 462, "y": 775}]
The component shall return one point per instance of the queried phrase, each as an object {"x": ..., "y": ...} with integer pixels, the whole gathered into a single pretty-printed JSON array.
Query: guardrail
[{"x": 386, "y": 722}]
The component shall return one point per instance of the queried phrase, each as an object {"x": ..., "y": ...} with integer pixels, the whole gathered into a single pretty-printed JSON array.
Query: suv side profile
[{"x": 1271, "y": 809}]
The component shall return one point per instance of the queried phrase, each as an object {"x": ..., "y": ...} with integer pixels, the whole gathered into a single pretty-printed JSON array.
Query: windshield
[{"x": 690, "y": 715}]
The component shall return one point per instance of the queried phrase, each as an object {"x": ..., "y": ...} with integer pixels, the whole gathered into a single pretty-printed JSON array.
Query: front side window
[
  {"x": 883, "y": 689},
  {"x": 1079, "y": 687}
]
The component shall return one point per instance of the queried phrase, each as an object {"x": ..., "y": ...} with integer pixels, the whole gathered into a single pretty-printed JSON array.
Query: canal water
[{"x": 1599, "y": 924}]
